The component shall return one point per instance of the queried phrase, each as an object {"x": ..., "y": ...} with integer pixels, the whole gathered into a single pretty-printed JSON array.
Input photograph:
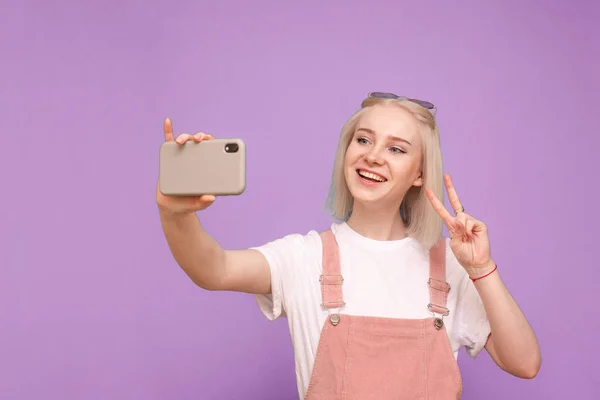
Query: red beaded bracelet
[{"x": 489, "y": 273}]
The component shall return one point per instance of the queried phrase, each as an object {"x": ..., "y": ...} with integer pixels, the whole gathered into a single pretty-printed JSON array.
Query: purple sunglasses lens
[
  {"x": 423, "y": 103},
  {"x": 386, "y": 95}
]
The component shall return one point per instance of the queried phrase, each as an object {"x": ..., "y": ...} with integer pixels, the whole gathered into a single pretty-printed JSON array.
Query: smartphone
[{"x": 215, "y": 166}]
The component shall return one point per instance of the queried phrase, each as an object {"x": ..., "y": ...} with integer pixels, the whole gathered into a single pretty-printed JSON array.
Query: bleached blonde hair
[{"x": 422, "y": 222}]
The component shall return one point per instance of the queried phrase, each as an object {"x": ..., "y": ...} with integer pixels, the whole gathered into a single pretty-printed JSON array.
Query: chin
[{"x": 366, "y": 196}]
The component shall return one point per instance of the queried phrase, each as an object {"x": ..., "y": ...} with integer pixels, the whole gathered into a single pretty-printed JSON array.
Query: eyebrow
[{"x": 371, "y": 131}]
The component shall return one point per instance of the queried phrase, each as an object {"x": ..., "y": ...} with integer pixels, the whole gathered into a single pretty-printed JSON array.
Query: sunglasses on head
[{"x": 385, "y": 95}]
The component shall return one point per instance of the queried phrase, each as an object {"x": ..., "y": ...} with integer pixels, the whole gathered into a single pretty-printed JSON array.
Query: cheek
[
  {"x": 405, "y": 167},
  {"x": 351, "y": 155}
]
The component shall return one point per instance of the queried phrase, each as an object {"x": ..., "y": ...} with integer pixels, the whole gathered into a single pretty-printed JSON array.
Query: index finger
[
  {"x": 168, "y": 129},
  {"x": 439, "y": 207},
  {"x": 452, "y": 195}
]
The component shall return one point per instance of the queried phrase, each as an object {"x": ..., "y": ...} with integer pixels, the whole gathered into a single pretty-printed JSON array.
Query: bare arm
[
  {"x": 207, "y": 264},
  {"x": 512, "y": 345}
]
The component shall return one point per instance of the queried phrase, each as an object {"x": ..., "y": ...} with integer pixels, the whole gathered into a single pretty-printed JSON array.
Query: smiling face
[{"x": 384, "y": 157}]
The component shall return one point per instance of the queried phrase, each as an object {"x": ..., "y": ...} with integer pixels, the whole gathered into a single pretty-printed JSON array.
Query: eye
[
  {"x": 398, "y": 150},
  {"x": 362, "y": 140}
]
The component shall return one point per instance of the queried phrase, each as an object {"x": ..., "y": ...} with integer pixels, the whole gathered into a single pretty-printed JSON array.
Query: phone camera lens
[{"x": 231, "y": 148}]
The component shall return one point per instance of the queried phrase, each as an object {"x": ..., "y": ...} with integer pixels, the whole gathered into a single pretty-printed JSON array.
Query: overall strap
[
  {"x": 331, "y": 278},
  {"x": 438, "y": 287}
]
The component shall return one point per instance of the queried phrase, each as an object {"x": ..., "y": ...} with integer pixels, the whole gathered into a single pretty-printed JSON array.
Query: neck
[{"x": 377, "y": 223}]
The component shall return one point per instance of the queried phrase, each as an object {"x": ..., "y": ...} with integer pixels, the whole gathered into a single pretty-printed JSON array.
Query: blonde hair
[{"x": 422, "y": 222}]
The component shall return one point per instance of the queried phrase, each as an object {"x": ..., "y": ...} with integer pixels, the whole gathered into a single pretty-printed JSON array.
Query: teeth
[{"x": 371, "y": 176}]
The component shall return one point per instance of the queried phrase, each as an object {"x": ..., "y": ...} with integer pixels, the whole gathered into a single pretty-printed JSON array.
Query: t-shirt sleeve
[
  {"x": 473, "y": 322},
  {"x": 282, "y": 255}
]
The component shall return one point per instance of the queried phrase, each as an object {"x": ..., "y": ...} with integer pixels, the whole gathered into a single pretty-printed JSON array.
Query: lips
[{"x": 371, "y": 176}]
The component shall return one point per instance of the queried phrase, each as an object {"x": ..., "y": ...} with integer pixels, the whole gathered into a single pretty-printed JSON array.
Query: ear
[{"x": 419, "y": 181}]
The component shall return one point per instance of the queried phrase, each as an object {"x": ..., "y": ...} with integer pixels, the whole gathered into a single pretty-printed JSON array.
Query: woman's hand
[
  {"x": 468, "y": 236},
  {"x": 182, "y": 205}
]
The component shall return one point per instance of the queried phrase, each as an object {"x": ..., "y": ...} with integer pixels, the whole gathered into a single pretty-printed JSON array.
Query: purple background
[{"x": 92, "y": 305}]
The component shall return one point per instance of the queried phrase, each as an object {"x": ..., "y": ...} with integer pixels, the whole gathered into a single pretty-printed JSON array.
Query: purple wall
[{"x": 92, "y": 305}]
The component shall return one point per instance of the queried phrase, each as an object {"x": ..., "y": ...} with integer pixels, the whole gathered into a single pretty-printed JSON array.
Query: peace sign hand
[{"x": 468, "y": 236}]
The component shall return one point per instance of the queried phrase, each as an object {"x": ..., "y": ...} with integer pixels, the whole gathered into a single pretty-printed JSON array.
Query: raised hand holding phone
[{"x": 182, "y": 204}]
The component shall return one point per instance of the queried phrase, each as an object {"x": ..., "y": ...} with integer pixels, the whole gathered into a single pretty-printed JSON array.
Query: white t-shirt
[{"x": 381, "y": 278}]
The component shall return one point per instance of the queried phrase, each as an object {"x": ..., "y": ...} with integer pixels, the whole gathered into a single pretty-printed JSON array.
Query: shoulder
[
  {"x": 293, "y": 259},
  {"x": 293, "y": 242},
  {"x": 295, "y": 248}
]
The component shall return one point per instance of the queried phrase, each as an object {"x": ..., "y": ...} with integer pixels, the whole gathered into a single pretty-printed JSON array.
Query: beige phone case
[{"x": 215, "y": 166}]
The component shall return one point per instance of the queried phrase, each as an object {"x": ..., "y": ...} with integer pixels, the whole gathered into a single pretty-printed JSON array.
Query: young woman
[{"x": 379, "y": 304}]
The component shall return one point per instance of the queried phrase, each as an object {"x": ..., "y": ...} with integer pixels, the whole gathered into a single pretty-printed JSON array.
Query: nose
[{"x": 373, "y": 156}]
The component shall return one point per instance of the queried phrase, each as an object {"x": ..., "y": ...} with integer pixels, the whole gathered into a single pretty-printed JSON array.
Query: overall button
[{"x": 335, "y": 319}]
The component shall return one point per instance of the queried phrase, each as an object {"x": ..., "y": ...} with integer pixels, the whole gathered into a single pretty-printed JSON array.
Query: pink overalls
[{"x": 360, "y": 357}]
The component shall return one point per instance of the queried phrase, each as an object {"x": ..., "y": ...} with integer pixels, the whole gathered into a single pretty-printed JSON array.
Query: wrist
[
  {"x": 174, "y": 216},
  {"x": 482, "y": 271}
]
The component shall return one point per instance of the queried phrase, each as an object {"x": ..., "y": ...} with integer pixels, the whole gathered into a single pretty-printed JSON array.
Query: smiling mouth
[{"x": 370, "y": 176}]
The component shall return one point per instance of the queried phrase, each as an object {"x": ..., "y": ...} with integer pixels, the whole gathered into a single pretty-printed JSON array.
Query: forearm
[
  {"x": 194, "y": 249},
  {"x": 513, "y": 338}
]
